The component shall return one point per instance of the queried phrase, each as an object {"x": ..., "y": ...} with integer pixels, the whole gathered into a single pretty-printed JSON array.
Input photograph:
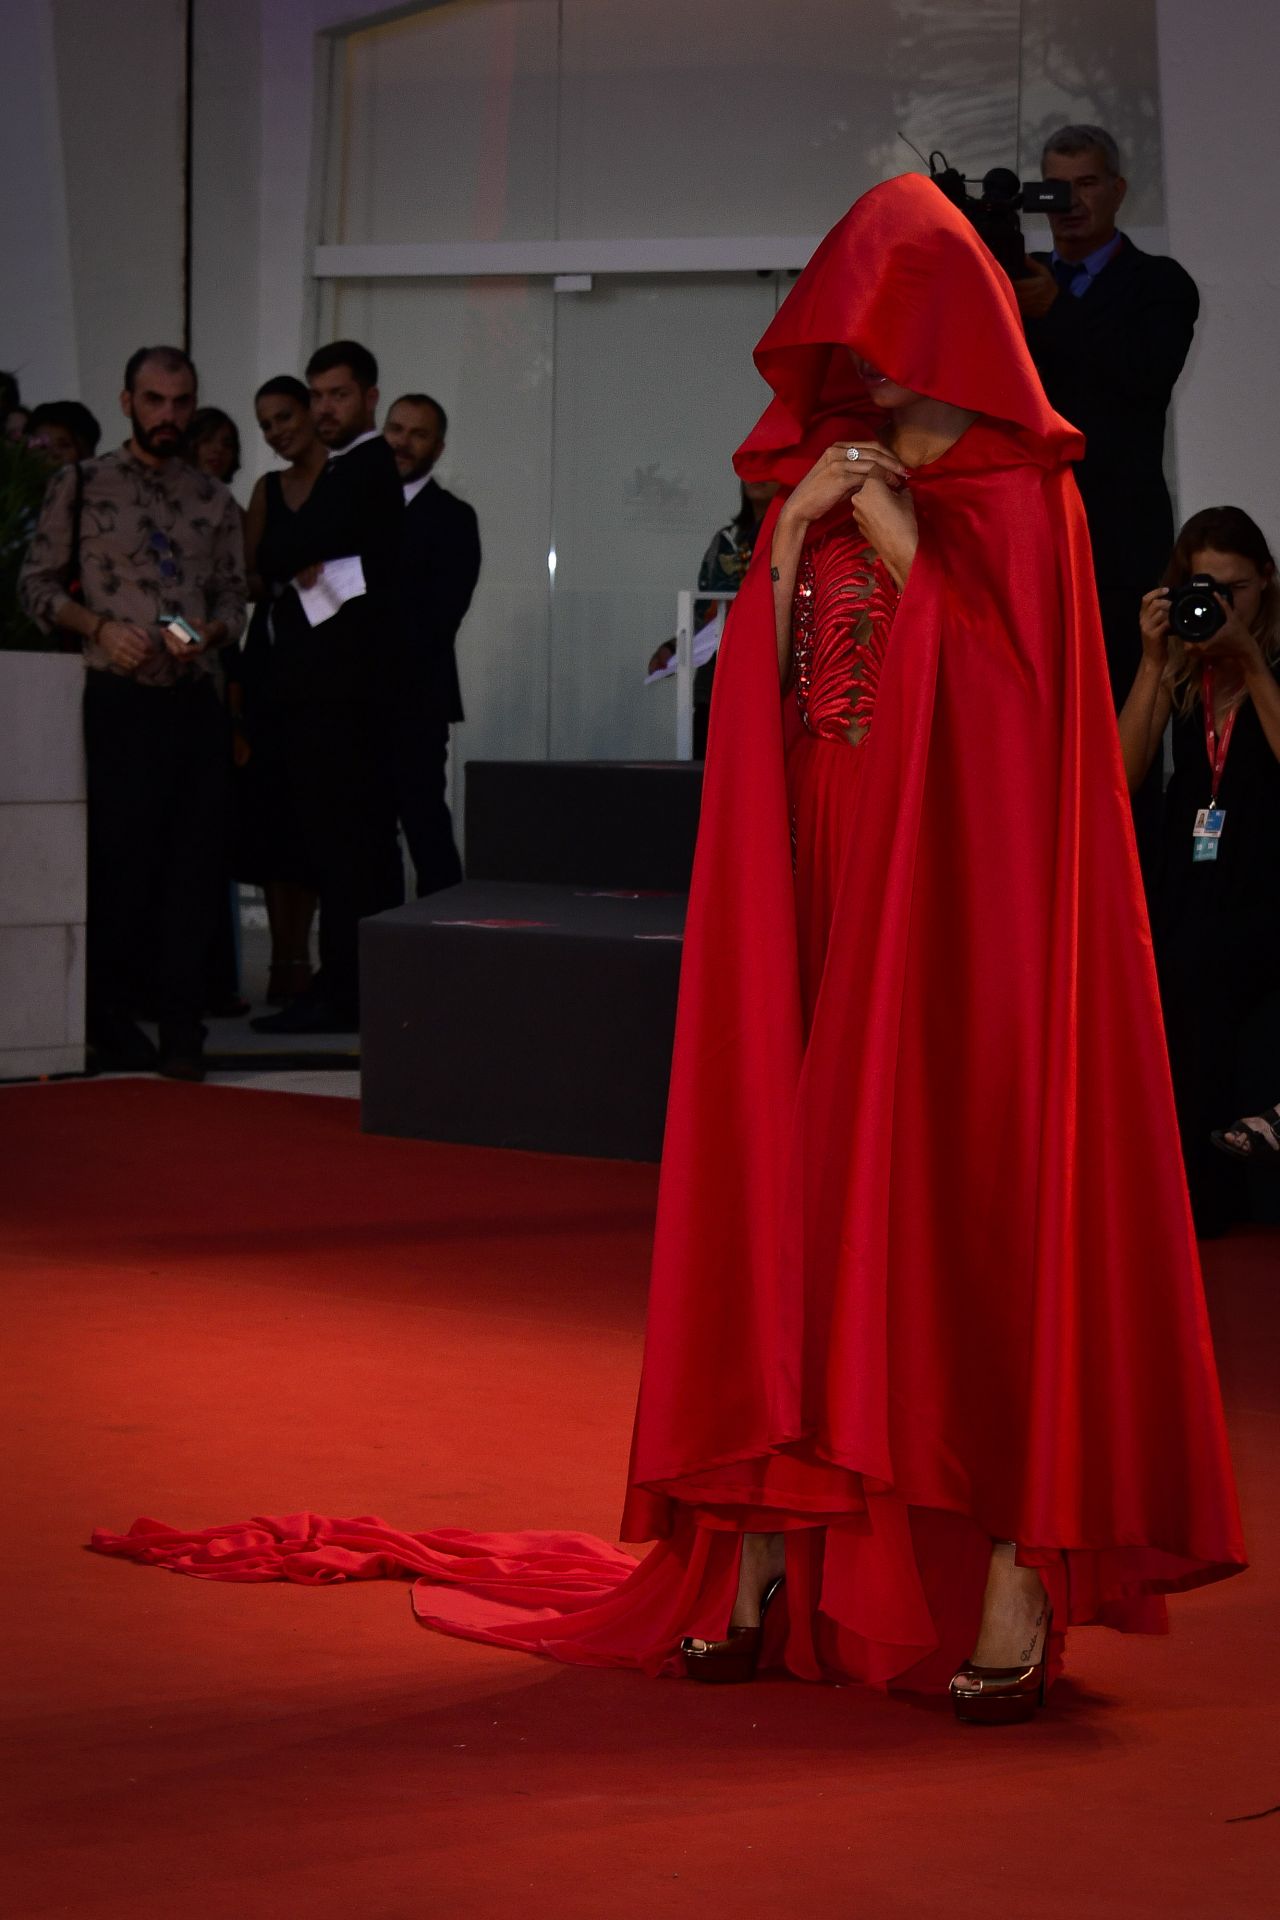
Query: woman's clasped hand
[
  {"x": 842, "y": 471},
  {"x": 875, "y": 482}
]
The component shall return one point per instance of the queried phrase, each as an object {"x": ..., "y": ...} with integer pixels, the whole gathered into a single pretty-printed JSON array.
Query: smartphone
[{"x": 180, "y": 629}]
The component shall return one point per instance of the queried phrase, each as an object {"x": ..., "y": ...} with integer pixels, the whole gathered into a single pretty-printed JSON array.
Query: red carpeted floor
[{"x": 222, "y": 1302}]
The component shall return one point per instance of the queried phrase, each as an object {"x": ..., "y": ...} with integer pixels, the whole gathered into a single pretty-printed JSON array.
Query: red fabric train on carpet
[{"x": 313, "y": 1550}]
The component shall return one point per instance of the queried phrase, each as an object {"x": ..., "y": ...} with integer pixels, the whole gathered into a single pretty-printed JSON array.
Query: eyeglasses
[{"x": 162, "y": 547}]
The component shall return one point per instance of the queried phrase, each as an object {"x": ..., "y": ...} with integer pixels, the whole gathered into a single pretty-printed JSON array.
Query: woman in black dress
[
  {"x": 269, "y": 851},
  {"x": 1215, "y": 910}
]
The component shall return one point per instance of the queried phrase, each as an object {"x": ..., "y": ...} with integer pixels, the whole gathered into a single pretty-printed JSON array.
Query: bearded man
[{"x": 140, "y": 556}]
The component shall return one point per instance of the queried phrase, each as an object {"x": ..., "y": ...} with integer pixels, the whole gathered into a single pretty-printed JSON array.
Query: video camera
[{"x": 994, "y": 212}]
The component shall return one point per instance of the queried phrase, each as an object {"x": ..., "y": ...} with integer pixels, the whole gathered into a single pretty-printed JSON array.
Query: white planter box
[{"x": 42, "y": 865}]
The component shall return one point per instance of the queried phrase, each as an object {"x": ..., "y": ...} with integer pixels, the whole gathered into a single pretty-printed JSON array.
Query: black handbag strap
[{"x": 75, "y": 586}]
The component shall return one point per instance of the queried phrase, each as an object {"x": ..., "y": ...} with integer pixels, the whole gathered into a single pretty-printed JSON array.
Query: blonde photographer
[{"x": 1209, "y": 658}]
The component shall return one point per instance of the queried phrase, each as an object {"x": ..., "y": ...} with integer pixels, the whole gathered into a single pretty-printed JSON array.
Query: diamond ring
[{"x": 852, "y": 453}]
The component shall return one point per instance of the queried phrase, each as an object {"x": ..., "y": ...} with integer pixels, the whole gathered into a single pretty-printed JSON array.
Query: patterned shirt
[{"x": 153, "y": 541}]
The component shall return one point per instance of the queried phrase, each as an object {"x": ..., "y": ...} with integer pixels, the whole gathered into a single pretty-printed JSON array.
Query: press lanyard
[
  {"x": 1207, "y": 832},
  {"x": 1217, "y": 745}
]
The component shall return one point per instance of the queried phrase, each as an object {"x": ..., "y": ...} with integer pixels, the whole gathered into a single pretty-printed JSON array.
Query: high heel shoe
[
  {"x": 1003, "y": 1696},
  {"x": 722, "y": 1662}
]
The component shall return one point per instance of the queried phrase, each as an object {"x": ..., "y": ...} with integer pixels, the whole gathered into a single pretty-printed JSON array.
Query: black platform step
[
  {"x": 614, "y": 823},
  {"x": 518, "y": 1015}
]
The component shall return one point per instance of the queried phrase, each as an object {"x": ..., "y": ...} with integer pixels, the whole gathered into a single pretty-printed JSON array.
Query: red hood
[{"x": 875, "y": 285}]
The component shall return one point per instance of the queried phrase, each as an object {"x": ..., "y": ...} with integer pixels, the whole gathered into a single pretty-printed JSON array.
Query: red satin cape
[{"x": 924, "y": 1275}]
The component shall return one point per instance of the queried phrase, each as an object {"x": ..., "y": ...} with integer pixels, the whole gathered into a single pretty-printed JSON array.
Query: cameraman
[
  {"x": 1109, "y": 328},
  {"x": 1215, "y": 908}
]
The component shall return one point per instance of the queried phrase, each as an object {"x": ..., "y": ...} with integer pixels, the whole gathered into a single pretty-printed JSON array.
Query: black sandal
[{"x": 1263, "y": 1138}]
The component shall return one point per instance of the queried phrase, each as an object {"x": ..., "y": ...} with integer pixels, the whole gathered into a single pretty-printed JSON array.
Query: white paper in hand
[
  {"x": 706, "y": 643},
  {"x": 339, "y": 581}
]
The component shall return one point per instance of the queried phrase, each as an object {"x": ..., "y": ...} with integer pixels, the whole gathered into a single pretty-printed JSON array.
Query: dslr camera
[
  {"x": 1194, "y": 613},
  {"x": 994, "y": 210}
]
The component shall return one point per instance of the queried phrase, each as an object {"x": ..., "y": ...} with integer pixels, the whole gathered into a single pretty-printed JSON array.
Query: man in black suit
[
  {"x": 333, "y": 627},
  {"x": 1109, "y": 328},
  {"x": 439, "y": 566}
]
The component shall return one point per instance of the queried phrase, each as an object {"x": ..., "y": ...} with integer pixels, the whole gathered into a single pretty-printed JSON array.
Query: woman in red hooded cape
[{"x": 920, "y": 1283}]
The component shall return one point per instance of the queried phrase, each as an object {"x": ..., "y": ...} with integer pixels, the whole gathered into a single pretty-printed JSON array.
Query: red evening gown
[{"x": 923, "y": 1272}]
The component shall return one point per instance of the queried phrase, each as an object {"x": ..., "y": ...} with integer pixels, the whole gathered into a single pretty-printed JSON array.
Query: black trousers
[
  {"x": 157, "y": 769},
  {"x": 1224, "y": 1053},
  {"x": 418, "y": 744},
  {"x": 341, "y": 786}
]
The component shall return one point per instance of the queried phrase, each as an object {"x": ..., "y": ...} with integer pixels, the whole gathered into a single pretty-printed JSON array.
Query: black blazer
[
  {"x": 355, "y": 507},
  {"x": 1109, "y": 362},
  {"x": 438, "y": 570}
]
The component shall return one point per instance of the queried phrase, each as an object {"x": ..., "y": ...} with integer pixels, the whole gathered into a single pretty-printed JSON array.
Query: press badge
[{"x": 1207, "y": 832}]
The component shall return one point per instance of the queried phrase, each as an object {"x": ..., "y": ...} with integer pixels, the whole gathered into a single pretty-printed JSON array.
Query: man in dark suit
[
  {"x": 333, "y": 626},
  {"x": 1109, "y": 328},
  {"x": 439, "y": 566}
]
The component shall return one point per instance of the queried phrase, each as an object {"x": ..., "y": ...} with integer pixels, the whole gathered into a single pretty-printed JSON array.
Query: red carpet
[{"x": 223, "y": 1302}]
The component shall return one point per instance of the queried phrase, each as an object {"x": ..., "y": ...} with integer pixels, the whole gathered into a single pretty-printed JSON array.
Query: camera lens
[
  {"x": 1197, "y": 615},
  {"x": 1194, "y": 613}
]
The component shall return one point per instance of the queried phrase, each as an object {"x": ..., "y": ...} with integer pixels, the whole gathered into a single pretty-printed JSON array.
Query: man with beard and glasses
[
  {"x": 140, "y": 556},
  {"x": 332, "y": 626},
  {"x": 439, "y": 567}
]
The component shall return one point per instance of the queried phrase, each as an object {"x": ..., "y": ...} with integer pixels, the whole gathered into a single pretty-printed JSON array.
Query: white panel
[
  {"x": 750, "y": 116},
  {"x": 1095, "y": 61},
  {"x": 225, "y": 169},
  {"x": 655, "y": 388},
  {"x": 39, "y": 320},
  {"x": 450, "y": 126},
  {"x": 484, "y": 350},
  {"x": 1228, "y": 400},
  {"x": 41, "y": 736},
  {"x": 42, "y": 860},
  {"x": 120, "y": 85},
  {"x": 467, "y": 121},
  {"x": 291, "y": 126},
  {"x": 736, "y": 117},
  {"x": 561, "y": 129},
  {"x": 39, "y": 981}
]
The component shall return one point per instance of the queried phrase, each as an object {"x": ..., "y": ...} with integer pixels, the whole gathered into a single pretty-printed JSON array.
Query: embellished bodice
[{"x": 845, "y": 601}]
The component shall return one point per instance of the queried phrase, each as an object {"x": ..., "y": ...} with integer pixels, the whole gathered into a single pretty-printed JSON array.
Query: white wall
[
  {"x": 37, "y": 315},
  {"x": 91, "y": 214},
  {"x": 226, "y": 170},
  {"x": 91, "y": 115},
  {"x": 42, "y": 861},
  {"x": 120, "y": 91},
  {"x": 1219, "y": 105}
]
